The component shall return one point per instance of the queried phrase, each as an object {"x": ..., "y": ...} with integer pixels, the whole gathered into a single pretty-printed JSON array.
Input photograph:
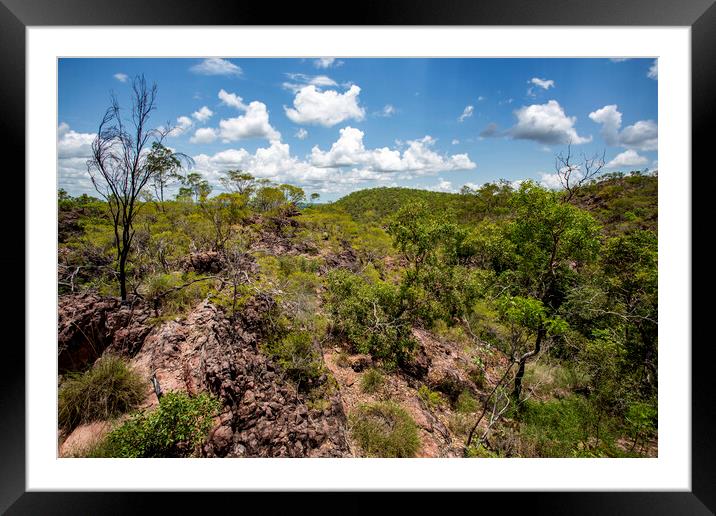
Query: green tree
[
  {"x": 293, "y": 194},
  {"x": 268, "y": 198},
  {"x": 197, "y": 187},
  {"x": 417, "y": 233},
  {"x": 165, "y": 166},
  {"x": 239, "y": 181},
  {"x": 550, "y": 238},
  {"x": 630, "y": 264}
]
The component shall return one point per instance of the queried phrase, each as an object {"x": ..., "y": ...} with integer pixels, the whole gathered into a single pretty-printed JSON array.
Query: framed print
[{"x": 426, "y": 250}]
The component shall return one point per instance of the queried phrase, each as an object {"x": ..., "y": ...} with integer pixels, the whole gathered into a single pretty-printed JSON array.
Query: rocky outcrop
[
  {"x": 204, "y": 262},
  {"x": 89, "y": 325},
  {"x": 346, "y": 258},
  {"x": 263, "y": 415}
]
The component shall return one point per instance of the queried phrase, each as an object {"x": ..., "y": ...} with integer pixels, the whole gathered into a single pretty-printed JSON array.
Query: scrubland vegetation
[
  {"x": 546, "y": 303},
  {"x": 565, "y": 292}
]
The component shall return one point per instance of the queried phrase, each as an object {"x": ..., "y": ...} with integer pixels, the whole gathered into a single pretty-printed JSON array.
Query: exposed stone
[
  {"x": 263, "y": 412},
  {"x": 89, "y": 324},
  {"x": 205, "y": 262},
  {"x": 360, "y": 362},
  {"x": 418, "y": 363}
]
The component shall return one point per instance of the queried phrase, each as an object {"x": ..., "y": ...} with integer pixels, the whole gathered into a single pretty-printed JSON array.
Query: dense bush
[
  {"x": 298, "y": 357},
  {"x": 432, "y": 399},
  {"x": 110, "y": 388},
  {"x": 384, "y": 430},
  {"x": 173, "y": 429},
  {"x": 371, "y": 316}
]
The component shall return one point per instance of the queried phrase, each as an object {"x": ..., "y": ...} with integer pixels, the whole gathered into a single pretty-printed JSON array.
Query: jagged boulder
[
  {"x": 89, "y": 324},
  {"x": 205, "y": 262},
  {"x": 346, "y": 258},
  {"x": 264, "y": 415}
]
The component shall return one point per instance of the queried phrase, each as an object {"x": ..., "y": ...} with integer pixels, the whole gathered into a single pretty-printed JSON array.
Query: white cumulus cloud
[
  {"x": 628, "y": 158},
  {"x": 547, "y": 124},
  {"x": 642, "y": 135},
  {"x": 71, "y": 144},
  {"x": 216, "y": 66},
  {"x": 300, "y": 80},
  {"x": 254, "y": 123},
  {"x": 204, "y": 135},
  {"x": 326, "y": 62},
  {"x": 121, "y": 77},
  {"x": 326, "y": 108},
  {"x": 231, "y": 99},
  {"x": 184, "y": 123},
  {"x": 653, "y": 72},
  {"x": 301, "y": 134},
  {"x": 203, "y": 114},
  {"x": 418, "y": 158}
]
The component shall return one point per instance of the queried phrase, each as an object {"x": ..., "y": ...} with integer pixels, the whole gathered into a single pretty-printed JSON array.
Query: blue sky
[{"x": 333, "y": 126}]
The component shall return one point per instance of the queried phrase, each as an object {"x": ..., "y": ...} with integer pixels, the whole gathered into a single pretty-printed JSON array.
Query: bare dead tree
[
  {"x": 119, "y": 167},
  {"x": 572, "y": 175}
]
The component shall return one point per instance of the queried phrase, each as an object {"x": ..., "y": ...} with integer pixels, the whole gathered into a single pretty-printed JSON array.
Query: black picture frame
[{"x": 16, "y": 15}]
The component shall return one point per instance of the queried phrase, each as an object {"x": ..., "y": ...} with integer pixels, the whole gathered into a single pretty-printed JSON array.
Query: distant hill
[{"x": 620, "y": 202}]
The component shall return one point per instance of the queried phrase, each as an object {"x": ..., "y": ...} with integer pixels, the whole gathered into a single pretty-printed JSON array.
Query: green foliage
[
  {"x": 641, "y": 420},
  {"x": 268, "y": 198},
  {"x": 488, "y": 270},
  {"x": 384, "y": 430},
  {"x": 239, "y": 182},
  {"x": 176, "y": 292},
  {"x": 431, "y": 398},
  {"x": 560, "y": 428},
  {"x": 622, "y": 203},
  {"x": 194, "y": 187},
  {"x": 298, "y": 357},
  {"x": 371, "y": 316},
  {"x": 466, "y": 403},
  {"x": 164, "y": 165},
  {"x": 173, "y": 429},
  {"x": 530, "y": 314},
  {"x": 110, "y": 388},
  {"x": 371, "y": 381},
  {"x": 547, "y": 234},
  {"x": 293, "y": 194}
]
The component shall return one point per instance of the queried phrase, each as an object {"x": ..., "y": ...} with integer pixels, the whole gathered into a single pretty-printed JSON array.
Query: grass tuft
[
  {"x": 384, "y": 430},
  {"x": 109, "y": 389},
  {"x": 372, "y": 381}
]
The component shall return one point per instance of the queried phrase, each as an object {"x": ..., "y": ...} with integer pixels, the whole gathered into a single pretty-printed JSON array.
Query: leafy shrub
[
  {"x": 372, "y": 381},
  {"x": 372, "y": 316},
  {"x": 479, "y": 451},
  {"x": 641, "y": 419},
  {"x": 559, "y": 428},
  {"x": 110, "y": 388},
  {"x": 175, "y": 293},
  {"x": 297, "y": 356},
  {"x": 174, "y": 429},
  {"x": 431, "y": 398},
  {"x": 384, "y": 430}
]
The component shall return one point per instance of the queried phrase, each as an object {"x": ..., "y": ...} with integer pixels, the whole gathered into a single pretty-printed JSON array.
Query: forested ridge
[{"x": 504, "y": 321}]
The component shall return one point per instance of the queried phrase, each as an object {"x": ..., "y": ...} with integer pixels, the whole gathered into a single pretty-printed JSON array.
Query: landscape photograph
[{"x": 357, "y": 257}]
